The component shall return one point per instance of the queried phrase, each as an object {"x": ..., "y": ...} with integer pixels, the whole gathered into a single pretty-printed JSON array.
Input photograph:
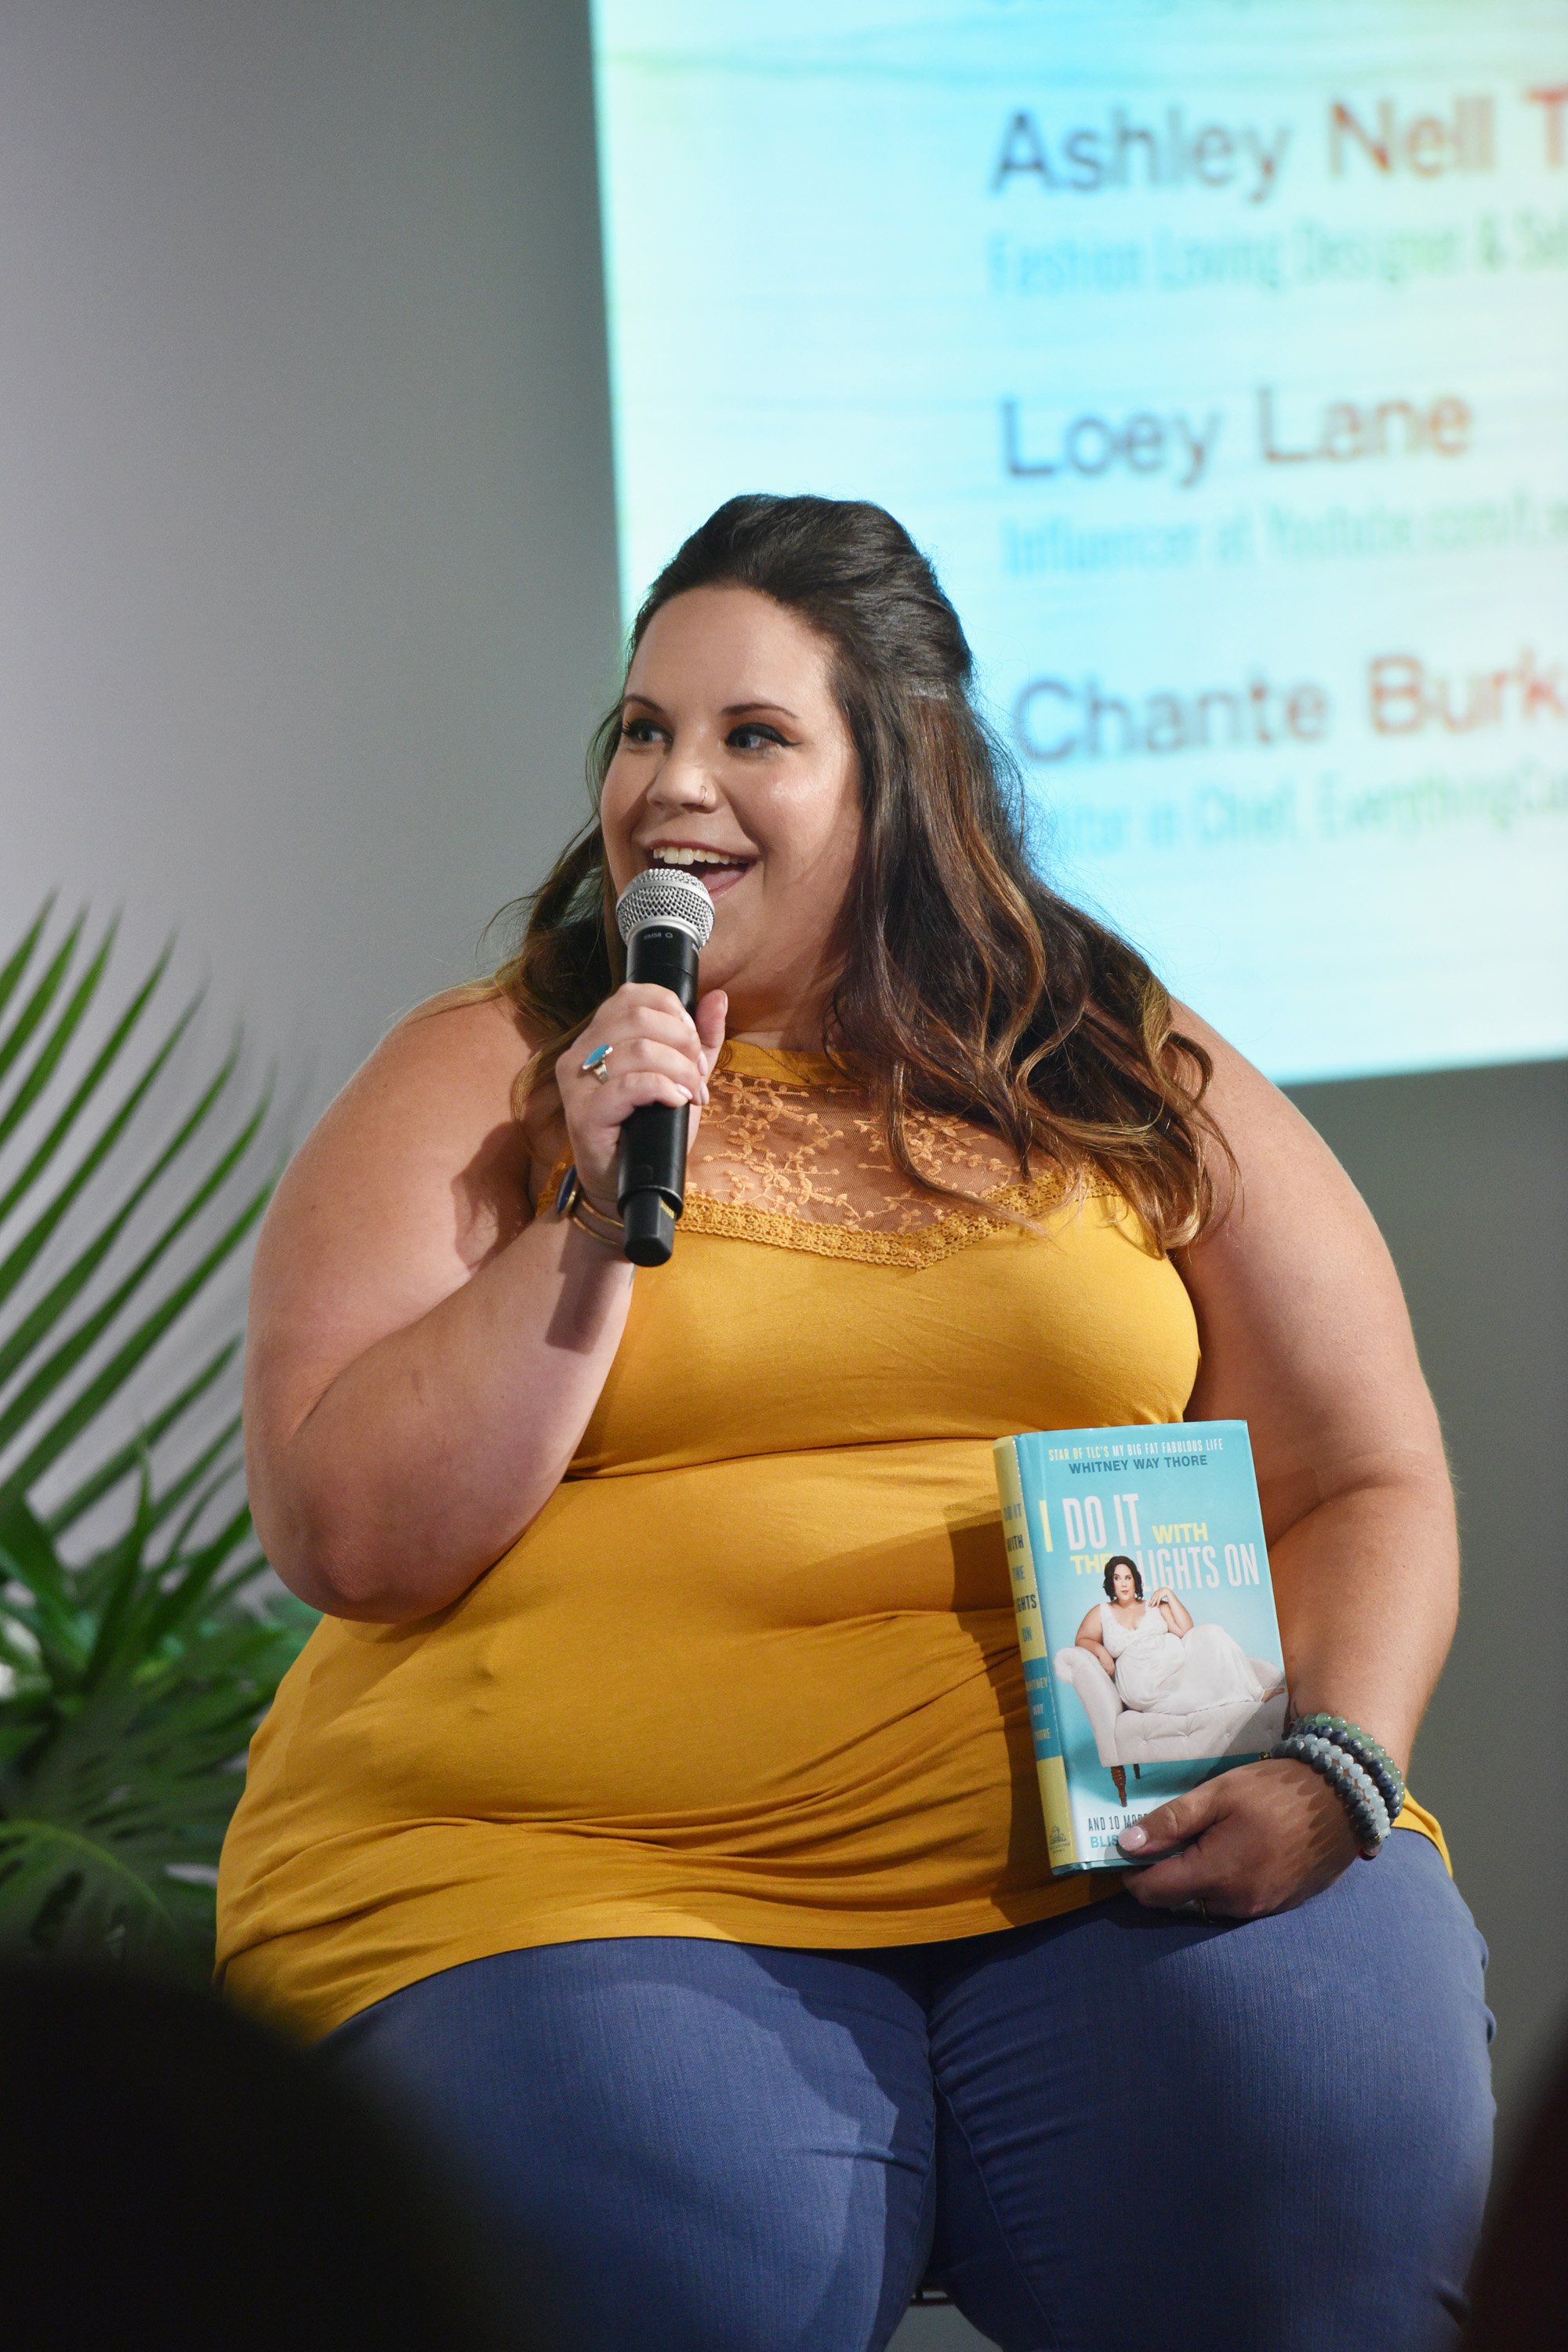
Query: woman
[
  {"x": 1157, "y": 1658},
  {"x": 656, "y": 1805}
]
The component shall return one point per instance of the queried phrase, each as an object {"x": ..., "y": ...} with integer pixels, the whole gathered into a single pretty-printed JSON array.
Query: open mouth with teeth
[{"x": 717, "y": 869}]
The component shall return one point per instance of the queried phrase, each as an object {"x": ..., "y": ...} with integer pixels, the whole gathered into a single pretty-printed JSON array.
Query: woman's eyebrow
[{"x": 729, "y": 710}]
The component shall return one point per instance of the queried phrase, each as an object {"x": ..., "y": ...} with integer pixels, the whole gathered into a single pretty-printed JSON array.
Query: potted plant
[{"x": 139, "y": 1644}]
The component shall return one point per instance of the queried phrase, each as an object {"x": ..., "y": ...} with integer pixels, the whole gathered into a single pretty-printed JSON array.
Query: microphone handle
[{"x": 651, "y": 1190}]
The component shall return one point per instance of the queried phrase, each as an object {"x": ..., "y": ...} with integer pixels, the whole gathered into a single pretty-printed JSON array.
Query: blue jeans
[{"x": 1113, "y": 2132}]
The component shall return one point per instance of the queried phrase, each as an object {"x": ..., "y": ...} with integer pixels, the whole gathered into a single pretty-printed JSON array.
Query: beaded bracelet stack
[{"x": 1362, "y": 1774}]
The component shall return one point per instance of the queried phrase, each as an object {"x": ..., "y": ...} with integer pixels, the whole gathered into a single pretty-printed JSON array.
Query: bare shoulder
[
  {"x": 1262, "y": 1128},
  {"x": 461, "y": 1052},
  {"x": 1301, "y": 1316},
  {"x": 1282, "y": 1196},
  {"x": 413, "y": 1179},
  {"x": 437, "y": 1095}
]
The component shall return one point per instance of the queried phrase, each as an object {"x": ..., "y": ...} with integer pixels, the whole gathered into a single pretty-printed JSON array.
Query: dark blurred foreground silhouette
[
  {"x": 172, "y": 2175},
  {"x": 1520, "y": 2289}
]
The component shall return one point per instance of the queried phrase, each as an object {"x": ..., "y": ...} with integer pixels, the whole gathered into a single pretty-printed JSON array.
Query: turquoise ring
[{"x": 596, "y": 1065}]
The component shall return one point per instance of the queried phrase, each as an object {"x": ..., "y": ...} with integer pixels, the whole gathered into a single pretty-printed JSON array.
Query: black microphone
[{"x": 665, "y": 917}]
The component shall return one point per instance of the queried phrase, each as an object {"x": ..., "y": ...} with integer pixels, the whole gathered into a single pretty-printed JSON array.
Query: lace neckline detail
[
  {"x": 790, "y": 1153},
  {"x": 950, "y": 1230}
]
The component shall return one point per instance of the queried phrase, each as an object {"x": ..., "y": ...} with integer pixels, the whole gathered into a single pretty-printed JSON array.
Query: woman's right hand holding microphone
[{"x": 657, "y": 1054}]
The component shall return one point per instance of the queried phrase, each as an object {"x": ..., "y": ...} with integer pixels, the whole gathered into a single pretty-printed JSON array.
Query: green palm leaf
[
  {"x": 21, "y": 956},
  {"x": 85, "y": 1092},
  {"x": 13, "y": 1041},
  {"x": 48, "y": 1059},
  {"x": 118, "y": 1466},
  {"x": 220, "y": 1449},
  {"x": 107, "y": 1382},
  {"x": 34, "y": 1327},
  {"x": 117, "y": 1771}
]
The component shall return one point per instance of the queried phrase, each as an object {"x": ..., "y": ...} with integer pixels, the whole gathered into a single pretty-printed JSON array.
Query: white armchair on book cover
[{"x": 1125, "y": 1735}]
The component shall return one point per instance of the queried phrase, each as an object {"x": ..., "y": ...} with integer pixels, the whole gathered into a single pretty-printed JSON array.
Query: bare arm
[
  {"x": 1306, "y": 1338},
  {"x": 423, "y": 1356},
  {"x": 1087, "y": 1638}
]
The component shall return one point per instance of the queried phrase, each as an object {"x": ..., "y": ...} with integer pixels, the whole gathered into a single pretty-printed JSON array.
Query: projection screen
[{"x": 1218, "y": 354}]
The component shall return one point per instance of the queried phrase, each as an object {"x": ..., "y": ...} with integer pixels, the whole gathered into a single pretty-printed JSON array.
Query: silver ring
[
  {"x": 596, "y": 1065},
  {"x": 1196, "y": 1909}
]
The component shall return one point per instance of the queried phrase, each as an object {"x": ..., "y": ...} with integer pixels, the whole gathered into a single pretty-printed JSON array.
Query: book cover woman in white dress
[{"x": 1158, "y": 1657}]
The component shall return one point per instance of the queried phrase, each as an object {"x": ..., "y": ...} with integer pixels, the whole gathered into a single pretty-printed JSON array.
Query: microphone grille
[{"x": 665, "y": 894}]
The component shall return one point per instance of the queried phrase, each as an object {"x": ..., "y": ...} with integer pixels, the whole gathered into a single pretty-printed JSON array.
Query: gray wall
[
  {"x": 308, "y": 588},
  {"x": 309, "y": 600},
  {"x": 1464, "y": 1170}
]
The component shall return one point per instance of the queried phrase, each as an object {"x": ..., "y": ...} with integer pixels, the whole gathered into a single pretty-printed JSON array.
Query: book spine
[{"x": 1048, "y": 1760}]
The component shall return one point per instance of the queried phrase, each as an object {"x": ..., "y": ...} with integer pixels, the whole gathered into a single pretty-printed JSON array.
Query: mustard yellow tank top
[{"x": 751, "y": 1672}]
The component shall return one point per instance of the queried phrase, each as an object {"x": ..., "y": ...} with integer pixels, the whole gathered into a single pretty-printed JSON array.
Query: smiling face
[{"x": 734, "y": 762}]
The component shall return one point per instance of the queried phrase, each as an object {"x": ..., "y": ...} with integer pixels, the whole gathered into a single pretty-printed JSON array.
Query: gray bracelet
[
  {"x": 1351, "y": 1782},
  {"x": 1368, "y": 1752}
]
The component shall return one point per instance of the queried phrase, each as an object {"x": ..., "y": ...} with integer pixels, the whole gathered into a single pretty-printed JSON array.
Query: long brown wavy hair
[{"x": 965, "y": 984}]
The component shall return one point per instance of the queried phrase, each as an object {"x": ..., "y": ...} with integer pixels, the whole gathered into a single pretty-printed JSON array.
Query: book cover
[{"x": 1145, "y": 1610}]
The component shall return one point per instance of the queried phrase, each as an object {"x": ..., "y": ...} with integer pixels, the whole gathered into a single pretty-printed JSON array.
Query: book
[{"x": 1146, "y": 1619}]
